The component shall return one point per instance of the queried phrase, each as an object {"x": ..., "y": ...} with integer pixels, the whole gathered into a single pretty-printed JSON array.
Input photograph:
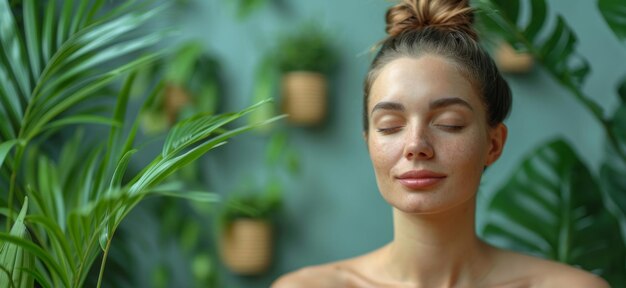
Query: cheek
[
  {"x": 468, "y": 151},
  {"x": 384, "y": 153}
]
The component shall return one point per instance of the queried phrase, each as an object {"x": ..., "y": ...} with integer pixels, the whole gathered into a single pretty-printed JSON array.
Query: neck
[{"x": 437, "y": 250}]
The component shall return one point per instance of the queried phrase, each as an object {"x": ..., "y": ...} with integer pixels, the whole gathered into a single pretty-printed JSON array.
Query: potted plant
[
  {"x": 305, "y": 58},
  {"x": 192, "y": 85},
  {"x": 246, "y": 236},
  {"x": 247, "y": 219}
]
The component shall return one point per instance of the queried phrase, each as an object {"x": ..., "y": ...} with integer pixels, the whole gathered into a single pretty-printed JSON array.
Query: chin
[
  {"x": 415, "y": 203},
  {"x": 424, "y": 202}
]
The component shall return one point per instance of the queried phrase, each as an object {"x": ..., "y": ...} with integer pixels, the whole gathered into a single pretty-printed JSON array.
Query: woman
[{"x": 433, "y": 110}]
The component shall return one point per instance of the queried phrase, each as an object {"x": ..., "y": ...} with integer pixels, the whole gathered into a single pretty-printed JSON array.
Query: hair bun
[{"x": 454, "y": 15}]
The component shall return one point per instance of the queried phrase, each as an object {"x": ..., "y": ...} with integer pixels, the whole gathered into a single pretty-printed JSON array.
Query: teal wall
[{"x": 333, "y": 209}]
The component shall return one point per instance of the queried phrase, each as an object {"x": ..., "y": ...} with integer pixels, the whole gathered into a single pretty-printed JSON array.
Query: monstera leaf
[
  {"x": 613, "y": 170},
  {"x": 614, "y": 13},
  {"x": 552, "y": 207},
  {"x": 554, "y": 46}
]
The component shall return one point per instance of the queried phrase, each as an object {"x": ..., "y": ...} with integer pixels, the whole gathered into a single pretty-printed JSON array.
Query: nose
[{"x": 418, "y": 146}]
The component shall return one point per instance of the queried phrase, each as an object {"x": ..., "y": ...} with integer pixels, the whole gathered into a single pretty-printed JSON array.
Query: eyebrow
[
  {"x": 445, "y": 102},
  {"x": 437, "y": 104},
  {"x": 393, "y": 106}
]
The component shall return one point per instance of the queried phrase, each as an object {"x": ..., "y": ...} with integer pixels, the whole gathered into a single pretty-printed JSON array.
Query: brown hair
[{"x": 443, "y": 28}]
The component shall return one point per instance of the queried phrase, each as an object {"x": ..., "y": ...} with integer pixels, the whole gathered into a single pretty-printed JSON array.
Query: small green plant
[
  {"x": 265, "y": 202},
  {"x": 192, "y": 84},
  {"x": 246, "y": 7},
  {"x": 262, "y": 205},
  {"x": 306, "y": 49}
]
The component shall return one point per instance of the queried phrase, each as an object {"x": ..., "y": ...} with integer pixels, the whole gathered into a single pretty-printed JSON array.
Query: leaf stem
[
  {"x": 583, "y": 99},
  {"x": 19, "y": 152},
  {"x": 104, "y": 259}
]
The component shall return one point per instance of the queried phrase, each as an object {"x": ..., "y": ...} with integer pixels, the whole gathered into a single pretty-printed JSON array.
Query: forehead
[{"x": 425, "y": 78}]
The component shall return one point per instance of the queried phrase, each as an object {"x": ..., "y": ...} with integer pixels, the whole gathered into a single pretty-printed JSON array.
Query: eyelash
[
  {"x": 386, "y": 131},
  {"x": 450, "y": 128}
]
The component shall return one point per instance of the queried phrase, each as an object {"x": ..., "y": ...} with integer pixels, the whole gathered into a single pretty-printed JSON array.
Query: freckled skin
[{"x": 420, "y": 143}]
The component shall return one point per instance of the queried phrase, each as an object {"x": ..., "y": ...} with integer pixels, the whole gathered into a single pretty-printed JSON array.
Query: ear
[
  {"x": 497, "y": 138},
  {"x": 365, "y": 135}
]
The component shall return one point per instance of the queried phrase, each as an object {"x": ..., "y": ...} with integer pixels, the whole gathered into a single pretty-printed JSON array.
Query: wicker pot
[
  {"x": 246, "y": 246},
  {"x": 304, "y": 97},
  {"x": 511, "y": 61},
  {"x": 176, "y": 97}
]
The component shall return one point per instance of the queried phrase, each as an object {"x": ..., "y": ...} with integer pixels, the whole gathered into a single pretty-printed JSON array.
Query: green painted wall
[{"x": 333, "y": 209}]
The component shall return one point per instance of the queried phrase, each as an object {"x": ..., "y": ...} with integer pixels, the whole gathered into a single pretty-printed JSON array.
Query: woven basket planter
[
  {"x": 176, "y": 97},
  {"x": 304, "y": 97},
  {"x": 246, "y": 246},
  {"x": 511, "y": 61}
]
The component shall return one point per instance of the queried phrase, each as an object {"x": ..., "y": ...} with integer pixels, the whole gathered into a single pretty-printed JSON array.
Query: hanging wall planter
[
  {"x": 176, "y": 97},
  {"x": 245, "y": 233},
  {"x": 304, "y": 97},
  {"x": 305, "y": 59},
  {"x": 246, "y": 246},
  {"x": 511, "y": 61},
  {"x": 191, "y": 86}
]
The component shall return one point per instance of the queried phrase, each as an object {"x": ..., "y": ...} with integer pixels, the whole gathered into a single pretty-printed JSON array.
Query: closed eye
[
  {"x": 389, "y": 130},
  {"x": 450, "y": 128}
]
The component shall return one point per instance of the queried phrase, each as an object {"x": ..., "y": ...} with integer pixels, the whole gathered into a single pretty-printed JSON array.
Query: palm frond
[
  {"x": 14, "y": 258},
  {"x": 56, "y": 69},
  {"x": 190, "y": 131},
  {"x": 32, "y": 37},
  {"x": 5, "y": 148},
  {"x": 48, "y": 33},
  {"x": 12, "y": 53}
]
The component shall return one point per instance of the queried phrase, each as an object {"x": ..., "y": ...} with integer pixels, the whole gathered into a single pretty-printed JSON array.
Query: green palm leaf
[
  {"x": 32, "y": 37},
  {"x": 46, "y": 81},
  {"x": 614, "y": 13},
  {"x": 69, "y": 58},
  {"x": 14, "y": 62},
  {"x": 13, "y": 258},
  {"x": 552, "y": 207},
  {"x": 5, "y": 148},
  {"x": 13, "y": 75},
  {"x": 197, "y": 132}
]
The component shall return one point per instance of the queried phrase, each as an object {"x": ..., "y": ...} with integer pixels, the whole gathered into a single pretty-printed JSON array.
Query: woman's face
[{"x": 428, "y": 137}]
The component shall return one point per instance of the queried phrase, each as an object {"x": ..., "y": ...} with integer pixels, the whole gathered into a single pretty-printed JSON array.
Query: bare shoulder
[
  {"x": 328, "y": 275},
  {"x": 560, "y": 275},
  {"x": 537, "y": 272},
  {"x": 345, "y": 273}
]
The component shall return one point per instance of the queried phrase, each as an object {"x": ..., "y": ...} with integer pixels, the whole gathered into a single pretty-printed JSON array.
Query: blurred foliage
[
  {"x": 265, "y": 202},
  {"x": 64, "y": 68},
  {"x": 247, "y": 7},
  {"x": 266, "y": 80},
  {"x": 553, "y": 206},
  {"x": 193, "y": 85},
  {"x": 307, "y": 48}
]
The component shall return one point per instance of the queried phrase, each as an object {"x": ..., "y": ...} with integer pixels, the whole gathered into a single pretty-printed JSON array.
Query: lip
[{"x": 420, "y": 179}]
